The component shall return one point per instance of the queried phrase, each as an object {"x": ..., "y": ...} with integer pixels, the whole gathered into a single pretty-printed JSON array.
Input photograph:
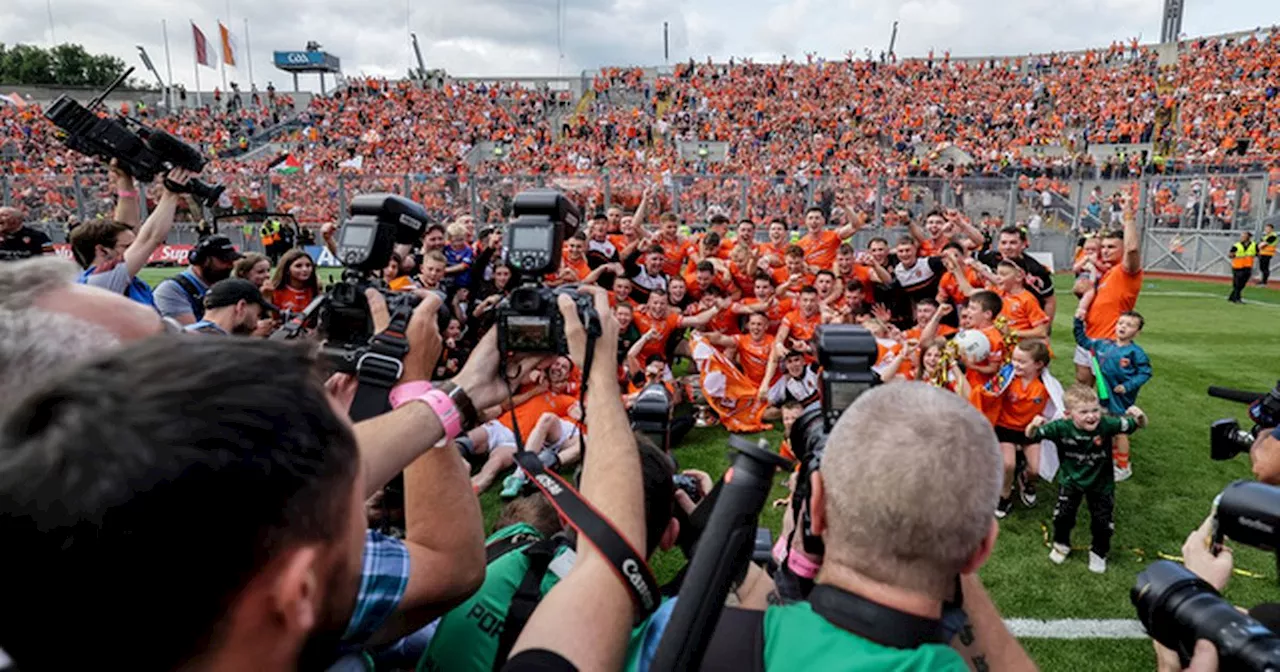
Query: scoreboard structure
[{"x": 308, "y": 61}]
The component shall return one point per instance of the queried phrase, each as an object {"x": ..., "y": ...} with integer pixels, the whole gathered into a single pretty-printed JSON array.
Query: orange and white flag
[{"x": 728, "y": 391}]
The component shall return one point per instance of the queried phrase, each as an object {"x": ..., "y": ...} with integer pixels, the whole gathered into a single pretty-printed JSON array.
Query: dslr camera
[
  {"x": 528, "y": 319},
  {"x": 846, "y": 354},
  {"x": 1177, "y": 607},
  {"x": 1226, "y": 439},
  {"x": 143, "y": 153},
  {"x": 365, "y": 243}
]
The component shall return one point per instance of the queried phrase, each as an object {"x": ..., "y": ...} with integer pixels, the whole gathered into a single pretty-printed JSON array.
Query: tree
[{"x": 63, "y": 65}]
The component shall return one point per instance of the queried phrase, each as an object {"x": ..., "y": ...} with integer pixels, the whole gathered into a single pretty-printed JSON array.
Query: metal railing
[{"x": 1181, "y": 203}]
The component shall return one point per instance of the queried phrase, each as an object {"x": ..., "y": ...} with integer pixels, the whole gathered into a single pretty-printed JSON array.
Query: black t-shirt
[
  {"x": 24, "y": 243},
  {"x": 1041, "y": 287}
]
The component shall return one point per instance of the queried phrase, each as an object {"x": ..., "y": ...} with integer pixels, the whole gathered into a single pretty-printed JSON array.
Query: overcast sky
[{"x": 520, "y": 37}]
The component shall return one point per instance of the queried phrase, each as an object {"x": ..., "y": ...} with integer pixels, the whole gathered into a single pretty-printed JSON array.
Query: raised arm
[
  {"x": 592, "y": 598},
  {"x": 153, "y": 231},
  {"x": 700, "y": 320},
  {"x": 1132, "y": 246},
  {"x": 128, "y": 204}
]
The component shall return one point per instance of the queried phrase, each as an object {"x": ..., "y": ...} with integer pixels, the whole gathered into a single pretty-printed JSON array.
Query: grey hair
[
  {"x": 22, "y": 282},
  {"x": 36, "y": 344},
  {"x": 911, "y": 475}
]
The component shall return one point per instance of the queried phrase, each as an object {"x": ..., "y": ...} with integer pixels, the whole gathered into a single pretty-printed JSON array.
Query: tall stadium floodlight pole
[
  {"x": 666, "y": 43},
  {"x": 1171, "y": 25},
  {"x": 417, "y": 52},
  {"x": 53, "y": 38},
  {"x": 893, "y": 38}
]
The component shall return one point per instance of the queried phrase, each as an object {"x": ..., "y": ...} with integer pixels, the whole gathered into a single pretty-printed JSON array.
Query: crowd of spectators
[{"x": 802, "y": 130}]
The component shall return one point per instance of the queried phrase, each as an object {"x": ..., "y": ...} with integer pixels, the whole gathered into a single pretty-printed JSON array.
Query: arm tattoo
[{"x": 980, "y": 664}]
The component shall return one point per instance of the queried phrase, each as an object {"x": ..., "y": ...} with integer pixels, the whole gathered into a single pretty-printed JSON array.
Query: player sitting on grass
[
  {"x": 1084, "y": 472},
  {"x": 1125, "y": 368}
]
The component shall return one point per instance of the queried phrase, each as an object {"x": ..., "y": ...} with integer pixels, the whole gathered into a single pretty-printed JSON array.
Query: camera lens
[{"x": 526, "y": 300}]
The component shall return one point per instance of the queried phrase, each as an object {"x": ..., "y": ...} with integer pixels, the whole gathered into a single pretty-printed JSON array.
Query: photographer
[
  {"x": 895, "y": 547},
  {"x": 232, "y": 307},
  {"x": 113, "y": 254}
]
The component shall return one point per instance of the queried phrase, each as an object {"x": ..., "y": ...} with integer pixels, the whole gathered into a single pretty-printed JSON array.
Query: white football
[{"x": 973, "y": 345}]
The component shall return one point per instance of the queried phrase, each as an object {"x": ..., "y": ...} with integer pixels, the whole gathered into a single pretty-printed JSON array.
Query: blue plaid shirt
[{"x": 382, "y": 584}]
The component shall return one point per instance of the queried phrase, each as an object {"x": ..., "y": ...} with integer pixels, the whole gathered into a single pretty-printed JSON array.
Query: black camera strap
[
  {"x": 379, "y": 369},
  {"x": 627, "y": 563}
]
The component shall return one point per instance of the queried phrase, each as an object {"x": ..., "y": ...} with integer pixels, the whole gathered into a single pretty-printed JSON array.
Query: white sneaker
[
  {"x": 1058, "y": 554},
  {"x": 1123, "y": 474},
  {"x": 1097, "y": 563}
]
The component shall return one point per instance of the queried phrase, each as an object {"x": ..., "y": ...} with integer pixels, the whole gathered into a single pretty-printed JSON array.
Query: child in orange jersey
[
  {"x": 1024, "y": 398},
  {"x": 1025, "y": 317}
]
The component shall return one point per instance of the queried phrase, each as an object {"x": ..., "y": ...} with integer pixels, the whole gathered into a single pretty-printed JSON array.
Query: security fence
[{"x": 1184, "y": 216}]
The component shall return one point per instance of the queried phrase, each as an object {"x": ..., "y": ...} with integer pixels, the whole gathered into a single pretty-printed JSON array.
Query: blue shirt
[
  {"x": 206, "y": 327},
  {"x": 383, "y": 579},
  {"x": 173, "y": 300},
  {"x": 454, "y": 257},
  {"x": 1126, "y": 365}
]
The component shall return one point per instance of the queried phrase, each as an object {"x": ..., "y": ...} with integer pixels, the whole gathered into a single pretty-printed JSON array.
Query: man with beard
[
  {"x": 232, "y": 308},
  {"x": 181, "y": 296}
]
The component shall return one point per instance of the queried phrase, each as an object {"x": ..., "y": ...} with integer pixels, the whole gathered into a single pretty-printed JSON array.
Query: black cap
[
  {"x": 231, "y": 291},
  {"x": 217, "y": 247}
]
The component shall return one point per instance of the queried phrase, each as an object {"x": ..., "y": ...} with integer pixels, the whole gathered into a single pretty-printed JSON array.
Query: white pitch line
[
  {"x": 1205, "y": 295},
  {"x": 1076, "y": 628}
]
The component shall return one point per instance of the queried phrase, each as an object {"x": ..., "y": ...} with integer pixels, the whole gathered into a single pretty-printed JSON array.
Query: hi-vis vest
[
  {"x": 270, "y": 234},
  {"x": 1244, "y": 254},
  {"x": 1268, "y": 247}
]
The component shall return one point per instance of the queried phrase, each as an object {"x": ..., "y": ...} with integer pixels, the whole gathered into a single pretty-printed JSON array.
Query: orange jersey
[
  {"x": 801, "y": 328},
  {"x": 781, "y": 276},
  {"x": 753, "y": 358},
  {"x": 295, "y": 300},
  {"x": 995, "y": 340},
  {"x": 1117, "y": 293},
  {"x": 775, "y": 314},
  {"x": 778, "y": 250},
  {"x": 674, "y": 253},
  {"x": 664, "y": 326},
  {"x": 1022, "y": 311},
  {"x": 820, "y": 249},
  {"x": 949, "y": 287},
  {"x": 1021, "y": 403},
  {"x": 527, "y": 414},
  {"x": 864, "y": 276}
]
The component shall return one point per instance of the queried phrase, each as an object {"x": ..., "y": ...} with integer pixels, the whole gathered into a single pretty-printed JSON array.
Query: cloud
[{"x": 522, "y": 37}]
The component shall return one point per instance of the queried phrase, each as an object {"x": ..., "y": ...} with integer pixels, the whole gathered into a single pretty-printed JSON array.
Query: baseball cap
[
  {"x": 217, "y": 247},
  {"x": 231, "y": 291}
]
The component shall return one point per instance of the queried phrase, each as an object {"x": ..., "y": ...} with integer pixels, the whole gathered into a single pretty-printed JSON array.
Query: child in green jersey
[{"x": 1083, "y": 439}]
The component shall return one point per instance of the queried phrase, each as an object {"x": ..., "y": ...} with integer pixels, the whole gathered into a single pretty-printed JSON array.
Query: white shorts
[
  {"x": 499, "y": 435},
  {"x": 1082, "y": 357},
  {"x": 568, "y": 432}
]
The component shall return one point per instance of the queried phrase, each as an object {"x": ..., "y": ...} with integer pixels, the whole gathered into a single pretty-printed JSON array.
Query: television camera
[
  {"x": 143, "y": 152},
  {"x": 1226, "y": 439}
]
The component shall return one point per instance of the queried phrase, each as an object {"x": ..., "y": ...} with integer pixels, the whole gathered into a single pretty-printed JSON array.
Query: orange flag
[
  {"x": 728, "y": 391},
  {"x": 228, "y": 48}
]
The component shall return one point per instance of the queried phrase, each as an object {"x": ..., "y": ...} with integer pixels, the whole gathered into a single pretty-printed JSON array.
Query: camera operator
[
  {"x": 896, "y": 548},
  {"x": 1264, "y": 456},
  {"x": 181, "y": 296},
  {"x": 18, "y": 241},
  {"x": 112, "y": 254}
]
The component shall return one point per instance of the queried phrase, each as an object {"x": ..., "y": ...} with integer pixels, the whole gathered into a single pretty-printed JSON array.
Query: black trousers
[
  {"x": 1264, "y": 265},
  {"x": 1239, "y": 278},
  {"x": 1101, "y": 510}
]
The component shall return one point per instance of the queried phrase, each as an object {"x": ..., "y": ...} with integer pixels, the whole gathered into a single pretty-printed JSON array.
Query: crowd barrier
[{"x": 1190, "y": 219}]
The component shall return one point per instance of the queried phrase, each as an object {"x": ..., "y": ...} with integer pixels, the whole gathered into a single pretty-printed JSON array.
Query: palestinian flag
[{"x": 286, "y": 165}]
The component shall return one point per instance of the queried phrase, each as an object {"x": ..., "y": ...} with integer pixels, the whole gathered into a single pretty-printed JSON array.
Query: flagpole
[
  {"x": 195, "y": 64},
  {"x": 168, "y": 66},
  {"x": 248, "y": 51}
]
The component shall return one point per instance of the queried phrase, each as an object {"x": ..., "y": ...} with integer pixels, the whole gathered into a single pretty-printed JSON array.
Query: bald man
[{"x": 18, "y": 241}]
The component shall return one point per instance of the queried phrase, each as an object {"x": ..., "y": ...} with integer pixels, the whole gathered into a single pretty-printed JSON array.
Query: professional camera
[
  {"x": 1178, "y": 608},
  {"x": 529, "y": 319},
  {"x": 143, "y": 153},
  {"x": 365, "y": 244},
  {"x": 1248, "y": 512},
  {"x": 1226, "y": 439},
  {"x": 846, "y": 354}
]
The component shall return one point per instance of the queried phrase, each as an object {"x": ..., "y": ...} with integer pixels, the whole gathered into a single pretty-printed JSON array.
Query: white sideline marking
[
  {"x": 1076, "y": 628},
  {"x": 1208, "y": 295}
]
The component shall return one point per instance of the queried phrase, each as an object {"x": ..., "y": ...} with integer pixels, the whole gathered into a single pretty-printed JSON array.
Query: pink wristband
[
  {"x": 446, "y": 410},
  {"x": 802, "y": 566},
  {"x": 127, "y": 194},
  {"x": 406, "y": 392}
]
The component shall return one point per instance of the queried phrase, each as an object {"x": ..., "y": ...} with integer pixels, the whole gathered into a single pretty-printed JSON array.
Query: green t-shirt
[
  {"x": 467, "y": 637},
  {"x": 795, "y": 637},
  {"x": 1085, "y": 457}
]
